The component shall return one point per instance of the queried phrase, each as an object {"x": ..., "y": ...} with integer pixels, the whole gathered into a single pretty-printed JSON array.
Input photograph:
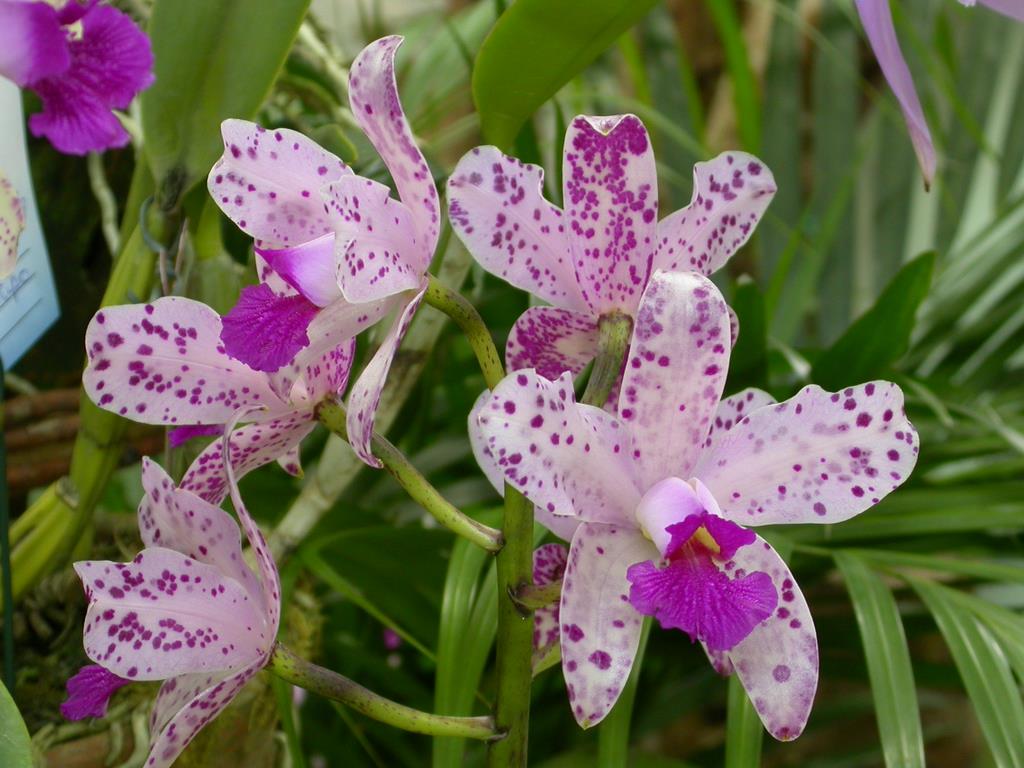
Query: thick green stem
[
  {"x": 464, "y": 314},
  {"x": 331, "y": 685},
  {"x": 514, "y": 644},
  {"x": 332, "y": 415},
  {"x": 531, "y": 596},
  {"x": 615, "y": 331}
]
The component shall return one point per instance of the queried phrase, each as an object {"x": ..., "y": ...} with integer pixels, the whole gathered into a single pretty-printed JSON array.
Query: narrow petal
[
  {"x": 778, "y": 662},
  {"x": 33, "y": 45},
  {"x": 730, "y": 194},
  {"x": 252, "y": 446},
  {"x": 678, "y": 361},
  {"x": 567, "y": 458},
  {"x": 731, "y": 411},
  {"x": 12, "y": 224},
  {"x": 176, "y": 692},
  {"x": 266, "y": 331},
  {"x": 268, "y": 183},
  {"x": 816, "y": 458},
  {"x": 165, "y": 614},
  {"x": 377, "y": 251},
  {"x": 553, "y": 341},
  {"x": 611, "y": 205},
  {"x": 89, "y": 692},
  {"x": 308, "y": 268},
  {"x": 497, "y": 208},
  {"x": 365, "y": 396},
  {"x": 876, "y": 16},
  {"x": 177, "y": 519},
  {"x": 180, "y": 435},
  {"x": 163, "y": 363},
  {"x": 373, "y": 94},
  {"x": 600, "y": 629},
  {"x": 548, "y": 566},
  {"x": 194, "y": 714}
]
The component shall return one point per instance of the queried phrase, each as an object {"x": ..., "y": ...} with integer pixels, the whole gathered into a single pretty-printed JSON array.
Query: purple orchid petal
[
  {"x": 552, "y": 341},
  {"x": 177, "y": 519},
  {"x": 497, "y": 208},
  {"x": 676, "y": 371},
  {"x": 33, "y": 46},
  {"x": 600, "y": 629},
  {"x": 730, "y": 194},
  {"x": 193, "y": 714},
  {"x": 315, "y": 375},
  {"x": 671, "y": 502},
  {"x": 291, "y": 462},
  {"x": 373, "y": 95},
  {"x": 548, "y": 566},
  {"x": 176, "y": 692},
  {"x": 252, "y": 446},
  {"x": 876, "y": 16},
  {"x": 178, "y": 436},
  {"x": 365, "y": 396},
  {"x": 377, "y": 253},
  {"x": 816, "y": 458},
  {"x": 266, "y": 331},
  {"x": 778, "y": 662},
  {"x": 74, "y": 121},
  {"x": 611, "y": 204},
  {"x": 163, "y": 363},
  {"x": 731, "y": 410},
  {"x": 1012, "y": 8},
  {"x": 307, "y": 267},
  {"x": 164, "y": 614},
  {"x": 89, "y": 692},
  {"x": 268, "y": 183},
  {"x": 567, "y": 458}
]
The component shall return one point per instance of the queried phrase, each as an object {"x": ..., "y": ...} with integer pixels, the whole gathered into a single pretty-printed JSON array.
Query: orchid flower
[
  {"x": 876, "y": 16},
  {"x": 337, "y": 252},
  {"x": 83, "y": 61},
  {"x": 595, "y": 257},
  {"x": 187, "y": 610},
  {"x": 164, "y": 363},
  {"x": 660, "y": 497}
]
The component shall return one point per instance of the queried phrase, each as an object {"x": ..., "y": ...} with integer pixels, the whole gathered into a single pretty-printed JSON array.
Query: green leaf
[
  {"x": 881, "y": 335},
  {"x": 889, "y": 666},
  {"x": 534, "y": 49},
  {"x": 744, "y": 86},
  {"x": 15, "y": 746},
  {"x": 744, "y": 732},
  {"x": 613, "y": 733},
  {"x": 748, "y": 365},
  {"x": 215, "y": 59},
  {"x": 984, "y": 670}
]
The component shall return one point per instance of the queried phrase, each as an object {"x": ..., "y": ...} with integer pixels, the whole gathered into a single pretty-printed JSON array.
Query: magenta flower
[
  {"x": 596, "y": 256},
  {"x": 164, "y": 363},
  {"x": 876, "y": 16},
  {"x": 658, "y": 500},
  {"x": 336, "y": 250},
  {"x": 79, "y": 77},
  {"x": 187, "y": 610}
]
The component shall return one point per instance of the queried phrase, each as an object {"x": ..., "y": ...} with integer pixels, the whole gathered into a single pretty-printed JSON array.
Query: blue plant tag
[{"x": 28, "y": 296}]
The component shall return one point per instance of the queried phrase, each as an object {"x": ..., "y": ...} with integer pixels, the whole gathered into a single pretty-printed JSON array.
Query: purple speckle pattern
[
  {"x": 611, "y": 205},
  {"x": 819, "y": 457},
  {"x": 266, "y": 331},
  {"x": 497, "y": 208},
  {"x": 730, "y": 194},
  {"x": 548, "y": 566},
  {"x": 731, "y": 410},
  {"x": 675, "y": 372},
  {"x": 12, "y": 224},
  {"x": 552, "y": 341},
  {"x": 268, "y": 182}
]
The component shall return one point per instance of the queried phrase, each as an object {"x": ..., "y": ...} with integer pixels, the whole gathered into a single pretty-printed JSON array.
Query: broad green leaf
[
  {"x": 984, "y": 670},
  {"x": 881, "y": 335},
  {"x": 744, "y": 732},
  {"x": 889, "y": 666},
  {"x": 215, "y": 59},
  {"x": 744, "y": 86},
  {"x": 15, "y": 747},
  {"x": 534, "y": 49}
]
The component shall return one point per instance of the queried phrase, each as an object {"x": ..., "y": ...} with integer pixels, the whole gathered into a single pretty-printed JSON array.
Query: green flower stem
[
  {"x": 335, "y": 687},
  {"x": 332, "y": 415},
  {"x": 464, "y": 314},
  {"x": 531, "y": 596},
  {"x": 615, "y": 331},
  {"x": 514, "y": 644}
]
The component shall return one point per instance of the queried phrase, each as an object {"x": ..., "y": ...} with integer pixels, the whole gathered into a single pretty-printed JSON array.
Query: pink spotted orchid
[
  {"x": 164, "y": 363},
  {"x": 595, "y": 257},
  {"x": 660, "y": 497},
  {"x": 337, "y": 252},
  {"x": 187, "y": 610},
  {"x": 876, "y": 16},
  {"x": 83, "y": 60}
]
